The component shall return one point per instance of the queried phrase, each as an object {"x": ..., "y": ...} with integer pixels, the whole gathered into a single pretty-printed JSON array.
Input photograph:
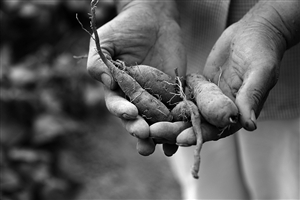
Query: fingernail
[
  {"x": 106, "y": 80},
  {"x": 251, "y": 124}
]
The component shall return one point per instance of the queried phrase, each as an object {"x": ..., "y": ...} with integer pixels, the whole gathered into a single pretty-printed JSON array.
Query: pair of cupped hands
[{"x": 140, "y": 34}]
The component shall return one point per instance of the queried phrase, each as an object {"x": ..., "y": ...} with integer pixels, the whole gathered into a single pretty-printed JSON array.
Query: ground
[{"x": 105, "y": 159}]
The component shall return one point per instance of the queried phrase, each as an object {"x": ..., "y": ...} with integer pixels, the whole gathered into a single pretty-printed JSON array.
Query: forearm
[{"x": 283, "y": 17}]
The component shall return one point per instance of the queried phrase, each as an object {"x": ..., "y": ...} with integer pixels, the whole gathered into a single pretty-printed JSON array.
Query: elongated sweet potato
[
  {"x": 216, "y": 107},
  {"x": 155, "y": 81},
  {"x": 149, "y": 107}
]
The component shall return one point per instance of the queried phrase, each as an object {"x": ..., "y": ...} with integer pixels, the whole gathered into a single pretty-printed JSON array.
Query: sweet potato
[
  {"x": 149, "y": 107},
  {"x": 181, "y": 112},
  {"x": 216, "y": 107},
  {"x": 155, "y": 81}
]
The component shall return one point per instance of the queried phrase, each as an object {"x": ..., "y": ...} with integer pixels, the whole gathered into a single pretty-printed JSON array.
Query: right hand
[{"x": 142, "y": 33}]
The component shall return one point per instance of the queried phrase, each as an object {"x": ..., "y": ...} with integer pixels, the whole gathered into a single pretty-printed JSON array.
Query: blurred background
[{"x": 58, "y": 141}]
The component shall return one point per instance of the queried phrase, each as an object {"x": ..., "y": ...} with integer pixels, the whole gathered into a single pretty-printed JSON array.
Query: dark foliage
[{"x": 46, "y": 94}]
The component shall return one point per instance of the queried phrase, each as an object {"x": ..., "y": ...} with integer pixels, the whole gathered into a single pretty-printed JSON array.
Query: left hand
[{"x": 244, "y": 62}]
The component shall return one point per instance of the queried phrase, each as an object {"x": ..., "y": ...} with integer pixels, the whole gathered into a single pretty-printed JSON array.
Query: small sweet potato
[
  {"x": 149, "y": 107},
  {"x": 216, "y": 107},
  {"x": 154, "y": 81}
]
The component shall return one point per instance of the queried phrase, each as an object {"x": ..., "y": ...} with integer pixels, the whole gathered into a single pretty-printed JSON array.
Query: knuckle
[{"x": 256, "y": 96}]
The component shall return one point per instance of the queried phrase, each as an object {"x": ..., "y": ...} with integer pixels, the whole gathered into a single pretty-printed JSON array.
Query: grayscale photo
[{"x": 150, "y": 99}]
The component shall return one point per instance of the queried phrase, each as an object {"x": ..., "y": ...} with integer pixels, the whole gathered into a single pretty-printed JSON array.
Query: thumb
[{"x": 257, "y": 83}]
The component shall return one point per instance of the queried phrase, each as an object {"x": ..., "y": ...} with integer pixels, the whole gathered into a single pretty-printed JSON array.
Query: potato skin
[
  {"x": 181, "y": 112},
  {"x": 216, "y": 107},
  {"x": 149, "y": 107},
  {"x": 156, "y": 82}
]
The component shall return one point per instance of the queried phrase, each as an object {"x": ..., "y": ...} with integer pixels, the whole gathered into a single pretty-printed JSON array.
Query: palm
[
  {"x": 224, "y": 65},
  {"x": 239, "y": 53},
  {"x": 140, "y": 37},
  {"x": 245, "y": 64}
]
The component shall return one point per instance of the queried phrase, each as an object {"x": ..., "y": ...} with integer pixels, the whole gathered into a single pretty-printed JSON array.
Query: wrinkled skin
[
  {"x": 248, "y": 54},
  {"x": 140, "y": 34}
]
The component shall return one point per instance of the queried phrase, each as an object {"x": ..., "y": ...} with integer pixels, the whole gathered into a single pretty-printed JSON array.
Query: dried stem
[
  {"x": 196, "y": 122},
  {"x": 82, "y": 27},
  {"x": 96, "y": 37}
]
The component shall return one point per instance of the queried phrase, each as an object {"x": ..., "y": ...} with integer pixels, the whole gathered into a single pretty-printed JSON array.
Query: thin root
[
  {"x": 161, "y": 112},
  {"x": 196, "y": 122},
  {"x": 82, "y": 27},
  {"x": 223, "y": 129},
  {"x": 170, "y": 100},
  {"x": 132, "y": 100},
  {"x": 219, "y": 79}
]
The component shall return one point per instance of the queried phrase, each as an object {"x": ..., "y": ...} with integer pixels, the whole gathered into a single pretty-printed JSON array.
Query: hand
[
  {"x": 142, "y": 33},
  {"x": 245, "y": 64}
]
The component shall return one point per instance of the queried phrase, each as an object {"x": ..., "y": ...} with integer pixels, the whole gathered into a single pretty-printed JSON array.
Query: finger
[
  {"x": 212, "y": 133},
  {"x": 209, "y": 133},
  {"x": 218, "y": 65},
  {"x": 168, "y": 130},
  {"x": 119, "y": 106},
  {"x": 137, "y": 127},
  {"x": 160, "y": 140},
  {"x": 96, "y": 67},
  {"x": 257, "y": 83},
  {"x": 169, "y": 149},
  {"x": 145, "y": 147},
  {"x": 186, "y": 138}
]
